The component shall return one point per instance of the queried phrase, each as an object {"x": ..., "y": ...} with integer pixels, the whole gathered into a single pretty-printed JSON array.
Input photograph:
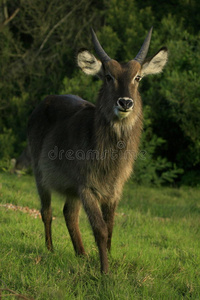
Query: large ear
[
  {"x": 156, "y": 63},
  {"x": 88, "y": 63}
]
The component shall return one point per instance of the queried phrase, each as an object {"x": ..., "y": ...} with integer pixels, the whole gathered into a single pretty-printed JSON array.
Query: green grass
[{"x": 155, "y": 249}]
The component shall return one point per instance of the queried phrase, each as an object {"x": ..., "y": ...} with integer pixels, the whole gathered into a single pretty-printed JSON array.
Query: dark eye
[
  {"x": 108, "y": 78},
  {"x": 138, "y": 78}
]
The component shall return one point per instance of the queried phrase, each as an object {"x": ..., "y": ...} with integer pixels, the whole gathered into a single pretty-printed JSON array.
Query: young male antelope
[{"x": 63, "y": 130}]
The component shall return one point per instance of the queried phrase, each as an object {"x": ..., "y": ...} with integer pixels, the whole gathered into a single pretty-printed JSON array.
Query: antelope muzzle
[
  {"x": 124, "y": 107},
  {"x": 125, "y": 104}
]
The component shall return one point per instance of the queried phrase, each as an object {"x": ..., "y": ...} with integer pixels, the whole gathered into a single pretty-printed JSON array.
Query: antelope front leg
[
  {"x": 71, "y": 214},
  {"x": 108, "y": 211},
  {"x": 98, "y": 224}
]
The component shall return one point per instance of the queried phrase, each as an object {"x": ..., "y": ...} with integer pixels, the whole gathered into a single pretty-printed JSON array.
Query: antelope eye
[
  {"x": 108, "y": 78},
  {"x": 138, "y": 78}
]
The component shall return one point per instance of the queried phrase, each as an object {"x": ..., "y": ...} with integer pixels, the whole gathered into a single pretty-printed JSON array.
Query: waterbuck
[{"x": 86, "y": 152}]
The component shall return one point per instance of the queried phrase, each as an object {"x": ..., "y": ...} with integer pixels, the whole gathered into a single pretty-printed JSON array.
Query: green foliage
[
  {"x": 150, "y": 167},
  {"x": 7, "y": 140},
  {"x": 191, "y": 178},
  {"x": 84, "y": 86},
  {"x": 14, "y": 119},
  {"x": 177, "y": 96}
]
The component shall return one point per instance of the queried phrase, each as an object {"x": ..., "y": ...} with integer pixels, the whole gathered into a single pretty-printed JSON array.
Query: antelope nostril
[
  {"x": 129, "y": 103},
  {"x": 125, "y": 103},
  {"x": 121, "y": 102}
]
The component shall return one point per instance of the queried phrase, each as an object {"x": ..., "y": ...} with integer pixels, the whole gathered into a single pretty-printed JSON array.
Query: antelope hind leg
[{"x": 46, "y": 213}]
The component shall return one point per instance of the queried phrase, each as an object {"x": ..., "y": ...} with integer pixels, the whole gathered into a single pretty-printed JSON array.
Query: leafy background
[{"x": 38, "y": 43}]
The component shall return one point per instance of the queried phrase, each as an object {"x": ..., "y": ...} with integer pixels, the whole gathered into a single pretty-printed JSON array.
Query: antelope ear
[
  {"x": 155, "y": 64},
  {"x": 88, "y": 63}
]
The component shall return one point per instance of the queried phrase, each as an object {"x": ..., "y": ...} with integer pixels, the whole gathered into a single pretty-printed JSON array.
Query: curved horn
[
  {"x": 140, "y": 57},
  {"x": 99, "y": 50}
]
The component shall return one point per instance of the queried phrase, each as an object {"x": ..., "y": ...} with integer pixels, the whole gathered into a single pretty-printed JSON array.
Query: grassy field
[{"x": 155, "y": 249}]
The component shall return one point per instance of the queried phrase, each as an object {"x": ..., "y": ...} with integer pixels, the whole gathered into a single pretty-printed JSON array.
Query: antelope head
[{"x": 119, "y": 97}]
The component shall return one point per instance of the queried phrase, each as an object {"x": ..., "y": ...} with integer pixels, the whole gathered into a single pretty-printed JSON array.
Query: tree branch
[
  {"x": 5, "y": 9},
  {"x": 56, "y": 26},
  {"x": 8, "y": 19}
]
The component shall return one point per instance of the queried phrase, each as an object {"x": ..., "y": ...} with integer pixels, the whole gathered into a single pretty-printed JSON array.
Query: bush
[{"x": 151, "y": 168}]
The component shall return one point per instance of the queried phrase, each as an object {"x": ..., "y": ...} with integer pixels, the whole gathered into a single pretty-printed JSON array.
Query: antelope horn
[
  {"x": 99, "y": 50},
  {"x": 140, "y": 57}
]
